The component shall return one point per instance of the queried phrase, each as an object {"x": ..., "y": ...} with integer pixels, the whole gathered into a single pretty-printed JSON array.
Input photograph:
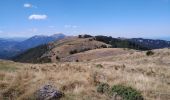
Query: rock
[
  {"x": 48, "y": 92},
  {"x": 115, "y": 96}
]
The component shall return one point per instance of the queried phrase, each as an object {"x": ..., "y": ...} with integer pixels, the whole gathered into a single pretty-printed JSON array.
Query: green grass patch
[
  {"x": 128, "y": 93},
  {"x": 99, "y": 66},
  {"x": 1, "y": 77},
  {"x": 149, "y": 53},
  {"x": 103, "y": 88}
]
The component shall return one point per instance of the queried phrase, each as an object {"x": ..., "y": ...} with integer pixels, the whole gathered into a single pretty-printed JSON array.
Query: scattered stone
[
  {"x": 115, "y": 96},
  {"x": 48, "y": 92}
]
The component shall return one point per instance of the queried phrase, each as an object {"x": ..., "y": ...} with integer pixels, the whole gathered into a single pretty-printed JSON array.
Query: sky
[{"x": 117, "y": 18}]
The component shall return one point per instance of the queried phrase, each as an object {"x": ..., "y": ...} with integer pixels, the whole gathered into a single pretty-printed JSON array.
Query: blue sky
[{"x": 117, "y": 18}]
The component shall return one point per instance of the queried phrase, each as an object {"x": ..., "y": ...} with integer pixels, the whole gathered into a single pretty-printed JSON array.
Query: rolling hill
[
  {"x": 55, "y": 51},
  {"x": 82, "y": 48}
]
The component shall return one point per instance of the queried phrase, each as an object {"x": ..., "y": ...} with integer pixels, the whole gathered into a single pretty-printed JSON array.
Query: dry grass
[
  {"x": 63, "y": 47},
  {"x": 95, "y": 54},
  {"x": 150, "y": 75}
]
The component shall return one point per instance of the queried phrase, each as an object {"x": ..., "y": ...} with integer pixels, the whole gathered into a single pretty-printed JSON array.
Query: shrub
[
  {"x": 73, "y": 51},
  {"x": 84, "y": 49},
  {"x": 99, "y": 66},
  {"x": 127, "y": 93},
  {"x": 103, "y": 46},
  {"x": 45, "y": 60},
  {"x": 87, "y": 36},
  {"x": 103, "y": 88},
  {"x": 57, "y": 58},
  {"x": 149, "y": 53},
  {"x": 79, "y": 36},
  {"x": 90, "y": 39},
  {"x": 84, "y": 36}
]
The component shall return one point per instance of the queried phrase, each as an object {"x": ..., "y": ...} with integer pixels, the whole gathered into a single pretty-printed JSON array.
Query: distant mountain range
[
  {"x": 13, "y": 47},
  {"x": 37, "y": 40}
]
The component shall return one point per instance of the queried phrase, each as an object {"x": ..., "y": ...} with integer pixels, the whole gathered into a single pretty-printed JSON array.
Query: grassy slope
[
  {"x": 95, "y": 54},
  {"x": 148, "y": 74},
  {"x": 78, "y": 45}
]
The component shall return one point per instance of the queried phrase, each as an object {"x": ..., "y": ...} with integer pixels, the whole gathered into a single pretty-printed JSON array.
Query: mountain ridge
[{"x": 12, "y": 48}]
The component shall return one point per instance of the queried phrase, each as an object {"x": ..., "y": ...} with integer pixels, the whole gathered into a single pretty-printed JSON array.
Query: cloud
[
  {"x": 71, "y": 26},
  {"x": 28, "y": 5},
  {"x": 37, "y": 17}
]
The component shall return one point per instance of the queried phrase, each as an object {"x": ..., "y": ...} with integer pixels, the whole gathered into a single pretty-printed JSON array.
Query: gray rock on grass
[{"x": 48, "y": 92}]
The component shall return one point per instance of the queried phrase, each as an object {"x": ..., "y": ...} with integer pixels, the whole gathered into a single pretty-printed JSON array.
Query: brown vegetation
[{"x": 78, "y": 80}]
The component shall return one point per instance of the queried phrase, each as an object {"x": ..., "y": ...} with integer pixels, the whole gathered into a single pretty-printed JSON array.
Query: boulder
[{"x": 48, "y": 92}]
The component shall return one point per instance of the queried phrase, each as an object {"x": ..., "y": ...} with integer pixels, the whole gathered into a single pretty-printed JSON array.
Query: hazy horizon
[
  {"x": 25, "y": 38},
  {"x": 116, "y": 18}
]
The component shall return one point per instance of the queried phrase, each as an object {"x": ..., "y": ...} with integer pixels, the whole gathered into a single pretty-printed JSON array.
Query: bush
[
  {"x": 79, "y": 36},
  {"x": 57, "y": 58},
  {"x": 103, "y": 88},
  {"x": 149, "y": 53},
  {"x": 84, "y": 49},
  {"x": 99, "y": 66},
  {"x": 91, "y": 39},
  {"x": 127, "y": 93},
  {"x": 45, "y": 60},
  {"x": 84, "y": 36},
  {"x": 78, "y": 51},
  {"x": 103, "y": 46},
  {"x": 87, "y": 36},
  {"x": 73, "y": 51}
]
